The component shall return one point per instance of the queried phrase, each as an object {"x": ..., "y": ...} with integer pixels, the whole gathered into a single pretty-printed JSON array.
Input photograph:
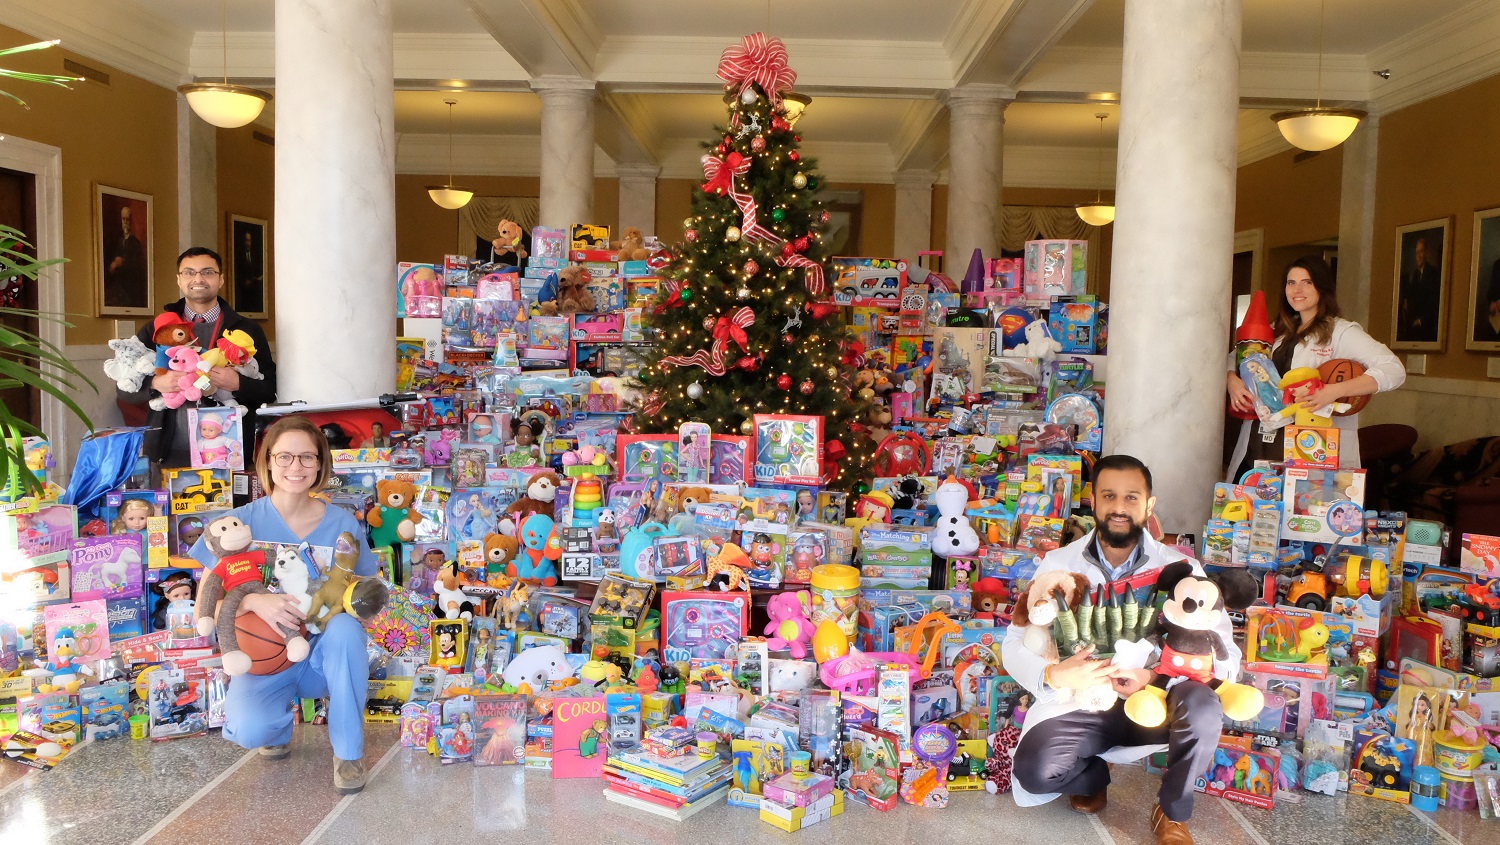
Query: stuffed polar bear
[
  {"x": 1039, "y": 343},
  {"x": 132, "y": 363}
]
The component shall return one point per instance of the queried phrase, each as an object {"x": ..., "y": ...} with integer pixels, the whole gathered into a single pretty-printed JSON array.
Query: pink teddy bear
[
  {"x": 790, "y": 628},
  {"x": 183, "y": 360}
]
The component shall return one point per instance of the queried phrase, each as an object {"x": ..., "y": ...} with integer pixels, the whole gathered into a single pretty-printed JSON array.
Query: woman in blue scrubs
[{"x": 293, "y": 463}]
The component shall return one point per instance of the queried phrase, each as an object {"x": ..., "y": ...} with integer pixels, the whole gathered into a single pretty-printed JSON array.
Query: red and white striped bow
[
  {"x": 730, "y": 328},
  {"x": 761, "y": 60},
  {"x": 721, "y": 174}
]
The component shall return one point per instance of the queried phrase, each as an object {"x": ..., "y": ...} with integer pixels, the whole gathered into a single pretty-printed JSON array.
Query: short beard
[{"x": 1125, "y": 540}]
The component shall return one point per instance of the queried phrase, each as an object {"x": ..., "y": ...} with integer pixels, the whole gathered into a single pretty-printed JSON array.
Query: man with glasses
[{"x": 200, "y": 278}]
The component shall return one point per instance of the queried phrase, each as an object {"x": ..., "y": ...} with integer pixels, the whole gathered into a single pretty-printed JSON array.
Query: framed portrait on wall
[
  {"x": 1484, "y": 285},
  {"x": 1419, "y": 297},
  {"x": 248, "y": 288},
  {"x": 123, "y": 260}
]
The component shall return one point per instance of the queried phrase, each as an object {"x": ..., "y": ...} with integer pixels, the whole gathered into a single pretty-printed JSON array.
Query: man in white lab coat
[{"x": 1066, "y": 750}]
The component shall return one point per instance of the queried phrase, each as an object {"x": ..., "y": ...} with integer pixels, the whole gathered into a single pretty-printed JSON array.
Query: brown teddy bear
[
  {"x": 499, "y": 549},
  {"x": 392, "y": 518},
  {"x": 509, "y": 240},
  {"x": 632, "y": 245},
  {"x": 573, "y": 295}
]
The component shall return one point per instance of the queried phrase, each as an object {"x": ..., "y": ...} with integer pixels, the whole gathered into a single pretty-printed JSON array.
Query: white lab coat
[
  {"x": 1027, "y": 667},
  {"x": 1348, "y": 340}
]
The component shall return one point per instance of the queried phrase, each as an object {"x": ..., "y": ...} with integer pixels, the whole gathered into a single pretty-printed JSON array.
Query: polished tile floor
[{"x": 204, "y": 790}]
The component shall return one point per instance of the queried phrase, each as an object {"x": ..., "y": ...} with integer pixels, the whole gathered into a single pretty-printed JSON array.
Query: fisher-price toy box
[{"x": 1306, "y": 499}]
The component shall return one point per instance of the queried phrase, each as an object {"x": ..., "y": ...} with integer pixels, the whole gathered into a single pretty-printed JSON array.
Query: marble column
[
  {"x": 335, "y": 226},
  {"x": 914, "y": 213},
  {"x": 197, "y": 181},
  {"x": 976, "y": 120},
  {"x": 1357, "y": 220},
  {"x": 638, "y": 196},
  {"x": 567, "y": 150},
  {"x": 1173, "y": 240}
]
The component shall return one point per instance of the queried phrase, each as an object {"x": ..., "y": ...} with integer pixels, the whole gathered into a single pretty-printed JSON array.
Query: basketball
[
  {"x": 265, "y": 647},
  {"x": 1342, "y": 369}
]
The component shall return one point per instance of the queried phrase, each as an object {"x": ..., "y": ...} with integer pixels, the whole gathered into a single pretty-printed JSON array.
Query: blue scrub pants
[{"x": 258, "y": 708}]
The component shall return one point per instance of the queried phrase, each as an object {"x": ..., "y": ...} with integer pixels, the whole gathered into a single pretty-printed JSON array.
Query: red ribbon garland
[
  {"x": 760, "y": 60},
  {"x": 720, "y": 174},
  {"x": 729, "y": 328}
]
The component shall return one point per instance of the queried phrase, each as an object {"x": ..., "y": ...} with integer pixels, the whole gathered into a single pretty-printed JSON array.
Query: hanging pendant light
[
  {"x": 449, "y": 195},
  {"x": 1318, "y": 128},
  {"x": 1098, "y": 212},
  {"x": 225, "y": 106}
]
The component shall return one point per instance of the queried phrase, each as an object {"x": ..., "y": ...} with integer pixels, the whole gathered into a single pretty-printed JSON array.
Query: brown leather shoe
[
  {"x": 1167, "y": 831},
  {"x": 1090, "y": 805}
]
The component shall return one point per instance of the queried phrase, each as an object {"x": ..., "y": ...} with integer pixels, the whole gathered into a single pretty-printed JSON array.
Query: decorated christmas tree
[{"x": 743, "y": 321}]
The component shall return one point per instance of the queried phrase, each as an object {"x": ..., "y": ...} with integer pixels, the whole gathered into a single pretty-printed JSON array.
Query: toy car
[
  {"x": 206, "y": 490},
  {"x": 383, "y": 706},
  {"x": 1384, "y": 770}
]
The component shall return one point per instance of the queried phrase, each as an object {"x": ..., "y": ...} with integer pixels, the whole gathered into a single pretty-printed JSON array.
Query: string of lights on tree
[{"x": 742, "y": 321}]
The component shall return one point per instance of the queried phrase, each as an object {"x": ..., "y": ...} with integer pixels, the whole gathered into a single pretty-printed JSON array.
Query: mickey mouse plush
[{"x": 1189, "y": 645}]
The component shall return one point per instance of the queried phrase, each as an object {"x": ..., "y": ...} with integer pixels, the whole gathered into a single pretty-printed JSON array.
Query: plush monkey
[{"x": 236, "y": 575}]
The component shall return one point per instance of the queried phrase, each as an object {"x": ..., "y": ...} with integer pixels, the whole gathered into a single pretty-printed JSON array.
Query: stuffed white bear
[
  {"x": 1039, "y": 343},
  {"x": 952, "y": 535},
  {"x": 132, "y": 363}
]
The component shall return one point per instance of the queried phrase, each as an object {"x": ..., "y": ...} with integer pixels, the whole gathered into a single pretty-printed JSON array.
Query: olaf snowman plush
[{"x": 953, "y": 536}]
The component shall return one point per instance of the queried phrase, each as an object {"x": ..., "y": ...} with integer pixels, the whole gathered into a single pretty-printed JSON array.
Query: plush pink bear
[
  {"x": 183, "y": 360},
  {"x": 790, "y": 628}
]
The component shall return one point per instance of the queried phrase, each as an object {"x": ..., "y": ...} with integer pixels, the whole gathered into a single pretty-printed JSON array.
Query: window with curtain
[{"x": 477, "y": 220}]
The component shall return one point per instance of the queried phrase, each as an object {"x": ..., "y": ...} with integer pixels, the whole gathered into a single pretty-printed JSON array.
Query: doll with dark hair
[{"x": 176, "y": 586}]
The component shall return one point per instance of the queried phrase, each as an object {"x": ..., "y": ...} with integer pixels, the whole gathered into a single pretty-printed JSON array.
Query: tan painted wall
[
  {"x": 1293, "y": 203},
  {"x": 123, "y": 135},
  {"x": 1437, "y": 160},
  {"x": 247, "y": 186}
]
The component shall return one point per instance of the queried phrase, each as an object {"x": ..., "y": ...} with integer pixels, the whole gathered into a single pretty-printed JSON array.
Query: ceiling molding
[
  {"x": 974, "y": 31},
  {"x": 634, "y": 60},
  {"x": 530, "y": 32},
  {"x": 1029, "y": 33},
  {"x": 1056, "y": 167},
  {"x": 624, "y": 128},
  {"x": 125, "y": 37},
  {"x": 1086, "y": 70},
  {"x": 919, "y": 124},
  {"x": 1258, "y": 138},
  {"x": 1442, "y": 56},
  {"x": 447, "y": 59},
  {"x": 572, "y": 30}
]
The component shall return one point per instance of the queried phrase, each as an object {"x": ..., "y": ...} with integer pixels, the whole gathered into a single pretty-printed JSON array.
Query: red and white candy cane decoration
[
  {"x": 760, "y": 60},
  {"x": 730, "y": 328},
  {"x": 815, "y": 285},
  {"x": 721, "y": 174}
]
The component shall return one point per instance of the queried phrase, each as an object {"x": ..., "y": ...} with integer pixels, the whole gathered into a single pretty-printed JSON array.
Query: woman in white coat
[{"x": 1309, "y": 333}]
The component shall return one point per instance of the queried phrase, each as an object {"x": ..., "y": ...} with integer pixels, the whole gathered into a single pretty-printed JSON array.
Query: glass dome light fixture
[
  {"x": 220, "y": 103},
  {"x": 449, "y": 195},
  {"x": 1098, "y": 212},
  {"x": 1318, "y": 128}
]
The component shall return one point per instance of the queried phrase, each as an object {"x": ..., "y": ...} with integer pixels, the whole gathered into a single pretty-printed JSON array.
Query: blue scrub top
[{"x": 267, "y": 526}]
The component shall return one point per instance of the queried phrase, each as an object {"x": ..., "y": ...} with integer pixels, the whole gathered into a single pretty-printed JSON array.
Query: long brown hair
[
  {"x": 273, "y": 433},
  {"x": 1289, "y": 328}
]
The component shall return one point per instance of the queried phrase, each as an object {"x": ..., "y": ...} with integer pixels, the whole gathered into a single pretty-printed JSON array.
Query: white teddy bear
[
  {"x": 1039, "y": 343},
  {"x": 952, "y": 535},
  {"x": 132, "y": 363}
]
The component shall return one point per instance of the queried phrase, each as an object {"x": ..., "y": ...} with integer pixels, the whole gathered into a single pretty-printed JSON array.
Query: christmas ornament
[
  {"x": 861, "y": 488},
  {"x": 685, "y": 294},
  {"x": 832, "y": 371},
  {"x": 749, "y": 363},
  {"x": 747, "y": 427},
  {"x": 742, "y": 293},
  {"x": 732, "y": 234},
  {"x": 797, "y": 138},
  {"x": 806, "y": 387},
  {"x": 812, "y": 182},
  {"x": 801, "y": 244},
  {"x": 695, "y": 391},
  {"x": 824, "y": 217},
  {"x": 787, "y": 250},
  {"x": 728, "y": 329},
  {"x": 779, "y": 123},
  {"x": 687, "y": 222},
  {"x": 750, "y": 128},
  {"x": 757, "y": 60},
  {"x": 676, "y": 295},
  {"x": 778, "y": 214},
  {"x": 784, "y": 382},
  {"x": 819, "y": 310},
  {"x": 748, "y": 96},
  {"x": 659, "y": 259},
  {"x": 794, "y": 155},
  {"x": 794, "y": 321},
  {"x": 751, "y": 268},
  {"x": 720, "y": 174},
  {"x": 799, "y": 181},
  {"x": 758, "y": 143},
  {"x": 691, "y": 235},
  {"x": 787, "y": 339}
]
